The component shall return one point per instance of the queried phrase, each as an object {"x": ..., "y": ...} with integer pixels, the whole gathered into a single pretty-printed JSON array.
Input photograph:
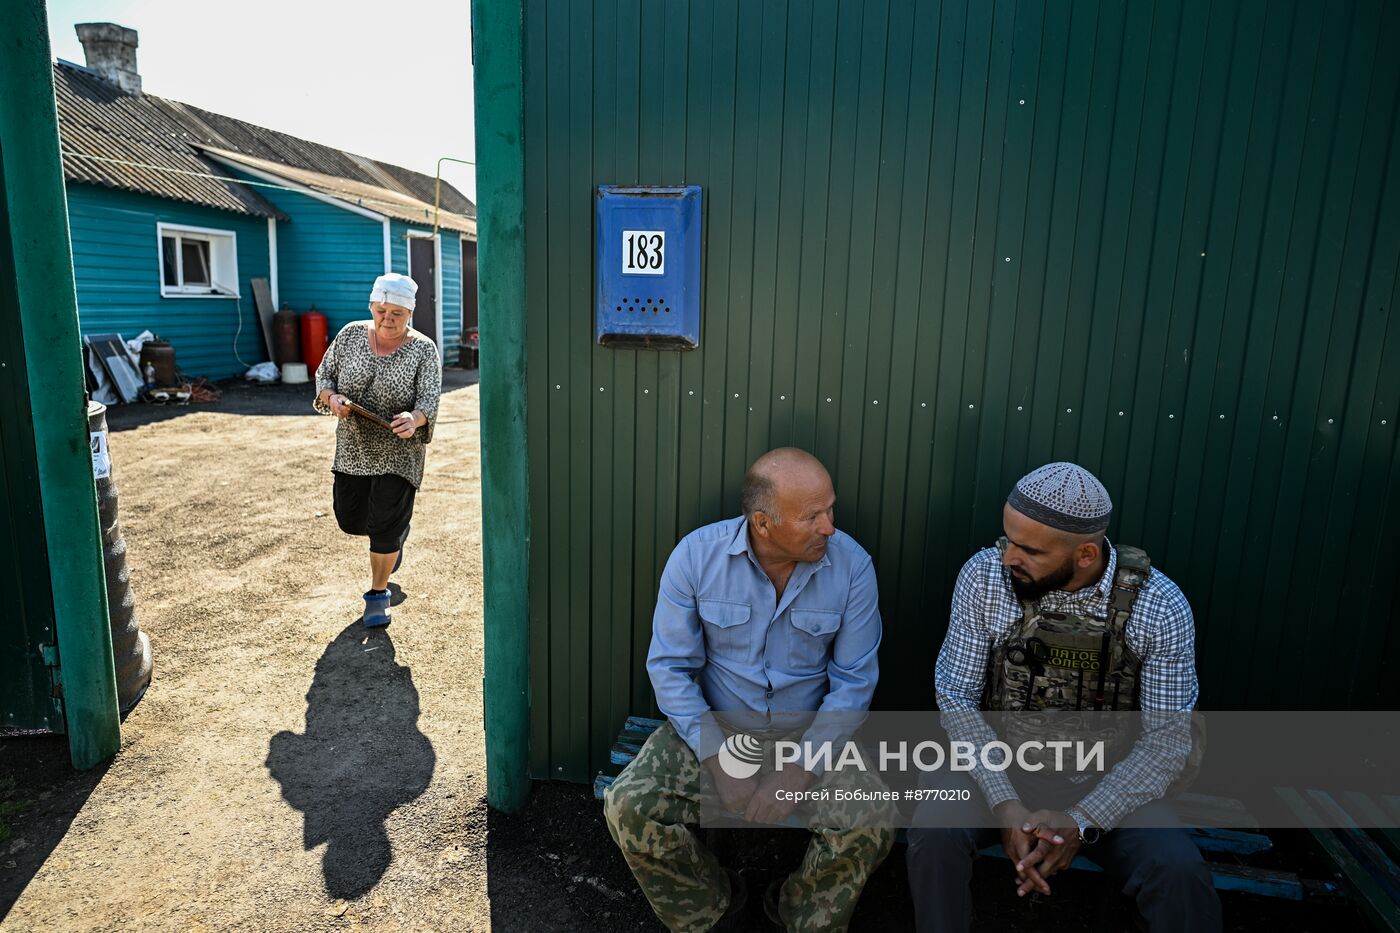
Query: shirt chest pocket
[
  {"x": 813, "y": 632},
  {"x": 727, "y": 632}
]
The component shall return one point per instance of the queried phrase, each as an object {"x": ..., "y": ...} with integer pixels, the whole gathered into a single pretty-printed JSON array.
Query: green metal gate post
[
  {"x": 38, "y": 267},
  {"x": 498, "y": 43}
]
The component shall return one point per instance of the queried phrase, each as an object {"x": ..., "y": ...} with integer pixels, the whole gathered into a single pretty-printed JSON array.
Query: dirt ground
[{"x": 289, "y": 771}]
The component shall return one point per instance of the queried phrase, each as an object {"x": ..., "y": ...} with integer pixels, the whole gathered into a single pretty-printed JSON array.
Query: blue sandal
[{"x": 376, "y": 610}]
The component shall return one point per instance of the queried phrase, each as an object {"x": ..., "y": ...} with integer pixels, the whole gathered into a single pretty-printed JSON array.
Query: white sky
[{"x": 388, "y": 80}]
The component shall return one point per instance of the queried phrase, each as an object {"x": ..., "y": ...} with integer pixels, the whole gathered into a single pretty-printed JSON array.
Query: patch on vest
[
  {"x": 1054, "y": 661},
  {"x": 1071, "y": 659}
]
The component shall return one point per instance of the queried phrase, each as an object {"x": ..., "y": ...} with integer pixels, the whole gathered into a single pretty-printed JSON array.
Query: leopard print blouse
[{"x": 409, "y": 378}]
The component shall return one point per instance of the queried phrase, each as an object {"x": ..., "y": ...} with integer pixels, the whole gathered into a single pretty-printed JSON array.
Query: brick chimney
[{"x": 111, "y": 52}]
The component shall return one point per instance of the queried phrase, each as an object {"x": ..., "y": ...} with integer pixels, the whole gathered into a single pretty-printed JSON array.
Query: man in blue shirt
[{"x": 769, "y": 617}]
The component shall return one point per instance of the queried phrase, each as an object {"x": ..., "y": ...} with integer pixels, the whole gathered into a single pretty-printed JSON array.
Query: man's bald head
[
  {"x": 790, "y": 507},
  {"x": 776, "y": 473}
]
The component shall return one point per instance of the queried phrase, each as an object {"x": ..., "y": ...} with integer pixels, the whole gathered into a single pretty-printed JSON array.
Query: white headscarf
[{"x": 395, "y": 289}]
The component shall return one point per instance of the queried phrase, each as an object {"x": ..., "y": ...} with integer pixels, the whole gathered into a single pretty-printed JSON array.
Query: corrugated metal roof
[
  {"x": 127, "y": 141},
  {"x": 154, "y": 145},
  {"x": 371, "y": 197},
  {"x": 212, "y": 130}
]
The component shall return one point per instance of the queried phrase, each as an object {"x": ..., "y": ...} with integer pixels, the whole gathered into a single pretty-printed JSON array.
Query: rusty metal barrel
[
  {"x": 286, "y": 338},
  {"x": 161, "y": 355},
  {"x": 131, "y": 647}
]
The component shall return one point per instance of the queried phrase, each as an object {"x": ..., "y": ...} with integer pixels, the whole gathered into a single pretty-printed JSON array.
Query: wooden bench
[
  {"x": 1364, "y": 859},
  {"x": 1224, "y": 849}
]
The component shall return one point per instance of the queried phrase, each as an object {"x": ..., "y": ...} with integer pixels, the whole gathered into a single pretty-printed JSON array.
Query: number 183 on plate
[{"x": 643, "y": 252}]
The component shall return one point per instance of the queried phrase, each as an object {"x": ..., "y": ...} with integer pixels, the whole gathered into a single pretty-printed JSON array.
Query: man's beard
[{"x": 1031, "y": 590}]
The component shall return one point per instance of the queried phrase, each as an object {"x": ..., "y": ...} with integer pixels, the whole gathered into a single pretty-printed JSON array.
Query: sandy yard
[
  {"x": 290, "y": 771},
  {"x": 286, "y": 768}
]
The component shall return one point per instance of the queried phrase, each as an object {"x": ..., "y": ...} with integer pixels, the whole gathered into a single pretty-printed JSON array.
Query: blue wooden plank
[
  {"x": 1257, "y": 881},
  {"x": 1230, "y": 840},
  {"x": 1370, "y": 895},
  {"x": 1380, "y": 866},
  {"x": 1383, "y": 827},
  {"x": 1207, "y": 810},
  {"x": 1227, "y": 877}
]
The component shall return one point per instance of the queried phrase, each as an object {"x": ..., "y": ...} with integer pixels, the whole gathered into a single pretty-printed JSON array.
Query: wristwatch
[{"x": 1088, "y": 832}]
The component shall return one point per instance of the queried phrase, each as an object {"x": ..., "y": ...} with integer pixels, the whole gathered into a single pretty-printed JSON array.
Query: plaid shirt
[{"x": 1161, "y": 631}]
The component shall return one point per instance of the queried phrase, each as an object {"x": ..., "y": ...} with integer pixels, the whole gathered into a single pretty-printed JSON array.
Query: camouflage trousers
[{"x": 650, "y": 805}]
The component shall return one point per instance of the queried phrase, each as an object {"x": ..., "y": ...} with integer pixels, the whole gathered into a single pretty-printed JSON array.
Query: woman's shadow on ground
[{"x": 360, "y": 758}]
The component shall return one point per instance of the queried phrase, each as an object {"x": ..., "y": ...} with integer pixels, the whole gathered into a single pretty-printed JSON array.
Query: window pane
[
  {"x": 196, "y": 256},
  {"x": 167, "y": 251}
]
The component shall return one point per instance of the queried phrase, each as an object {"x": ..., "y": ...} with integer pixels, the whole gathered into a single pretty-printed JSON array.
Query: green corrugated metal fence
[
  {"x": 26, "y": 701},
  {"x": 946, "y": 242},
  {"x": 50, "y": 539}
]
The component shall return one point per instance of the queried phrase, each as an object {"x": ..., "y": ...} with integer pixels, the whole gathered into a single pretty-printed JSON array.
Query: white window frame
[{"x": 223, "y": 261}]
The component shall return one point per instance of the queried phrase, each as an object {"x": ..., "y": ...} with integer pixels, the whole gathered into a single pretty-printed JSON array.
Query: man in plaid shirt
[{"x": 1057, "y": 559}]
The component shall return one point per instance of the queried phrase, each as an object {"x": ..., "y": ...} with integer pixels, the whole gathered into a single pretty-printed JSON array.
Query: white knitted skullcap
[
  {"x": 395, "y": 289},
  {"x": 1064, "y": 496}
]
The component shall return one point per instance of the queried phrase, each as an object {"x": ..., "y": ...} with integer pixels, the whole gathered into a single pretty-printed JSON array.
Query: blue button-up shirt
[{"x": 723, "y": 641}]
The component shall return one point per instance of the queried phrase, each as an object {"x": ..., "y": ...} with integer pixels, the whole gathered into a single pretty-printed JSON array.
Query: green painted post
[
  {"x": 498, "y": 42},
  {"x": 31, "y": 182}
]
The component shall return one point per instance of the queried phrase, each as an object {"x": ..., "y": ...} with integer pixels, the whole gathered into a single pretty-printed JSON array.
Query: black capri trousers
[{"x": 378, "y": 506}]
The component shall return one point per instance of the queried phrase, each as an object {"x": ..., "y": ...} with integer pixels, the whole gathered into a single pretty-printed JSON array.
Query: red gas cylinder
[{"x": 314, "y": 339}]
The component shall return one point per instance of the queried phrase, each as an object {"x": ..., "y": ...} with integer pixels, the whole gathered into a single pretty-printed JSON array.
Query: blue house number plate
[{"x": 648, "y": 243}]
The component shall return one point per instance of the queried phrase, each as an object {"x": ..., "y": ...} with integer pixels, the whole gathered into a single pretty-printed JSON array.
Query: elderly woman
[{"x": 393, "y": 371}]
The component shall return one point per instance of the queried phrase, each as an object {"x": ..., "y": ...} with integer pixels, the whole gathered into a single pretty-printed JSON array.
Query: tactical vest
[{"x": 1063, "y": 662}]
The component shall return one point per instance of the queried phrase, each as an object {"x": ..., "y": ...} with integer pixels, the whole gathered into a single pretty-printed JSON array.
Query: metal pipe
[
  {"x": 437, "y": 188},
  {"x": 131, "y": 647},
  {"x": 35, "y": 212},
  {"x": 499, "y": 41}
]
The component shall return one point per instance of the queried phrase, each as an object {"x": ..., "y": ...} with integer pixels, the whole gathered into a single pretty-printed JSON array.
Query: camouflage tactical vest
[{"x": 1053, "y": 661}]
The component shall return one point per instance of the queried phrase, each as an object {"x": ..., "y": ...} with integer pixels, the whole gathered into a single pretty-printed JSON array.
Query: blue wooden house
[{"x": 174, "y": 210}]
